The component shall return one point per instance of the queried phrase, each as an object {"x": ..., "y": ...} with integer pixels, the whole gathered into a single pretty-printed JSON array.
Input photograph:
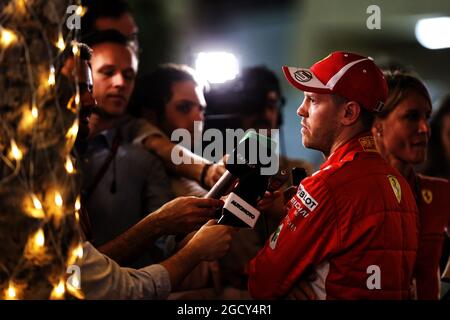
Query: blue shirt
[{"x": 141, "y": 185}]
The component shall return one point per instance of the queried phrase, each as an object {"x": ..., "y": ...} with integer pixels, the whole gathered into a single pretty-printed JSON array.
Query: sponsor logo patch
[
  {"x": 427, "y": 196},
  {"x": 395, "y": 187},
  {"x": 306, "y": 198},
  {"x": 303, "y": 75},
  {"x": 274, "y": 238},
  {"x": 368, "y": 144}
]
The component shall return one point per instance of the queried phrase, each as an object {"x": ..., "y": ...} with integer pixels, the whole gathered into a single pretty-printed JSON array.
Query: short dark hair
[
  {"x": 367, "y": 117},
  {"x": 154, "y": 90},
  {"x": 101, "y": 9},
  {"x": 104, "y": 36}
]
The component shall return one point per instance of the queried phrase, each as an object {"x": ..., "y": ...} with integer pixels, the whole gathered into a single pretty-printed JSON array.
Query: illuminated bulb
[
  {"x": 60, "y": 44},
  {"x": 39, "y": 238},
  {"x": 11, "y": 292},
  {"x": 37, "y": 212},
  {"x": 79, "y": 251},
  {"x": 75, "y": 254},
  {"x": 58, "y": 199},
  {"x": 34, "y": 111},
  {"x": 75, "y": 49},
  {"x": 58, "y": 291},
  {"x": 15, "y": 152},
  {"x": 77, "y": 203},
  {"x": 73, "y": 131},
  {"x": 51, "y": 77},
  {"x": 77, "y": 99},
  {"x": 7, "y": 37},
  {"x": 36, "y": 202},
  {"x": 69, "y": 165},
  {"x": 80, "y": 11}
]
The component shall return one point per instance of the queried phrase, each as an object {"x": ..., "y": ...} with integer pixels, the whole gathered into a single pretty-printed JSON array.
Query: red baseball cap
[{"x": 350, "y": 75}]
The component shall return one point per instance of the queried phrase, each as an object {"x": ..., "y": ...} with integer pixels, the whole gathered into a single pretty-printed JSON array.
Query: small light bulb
[
  {"x": 80, "y": 11},
  {"x": 36, "y": 202},
  {"x": 77, "y": 204},
  {"x": 7, "y": 37},
  {"x": 79, "y": 251},
  {"x": 77, "y": 99},
  {"x": 11, "y": 292},
  {"x": 58, "y": 290},
  {"x": 69, "y": 165},
  {"x": 15, "y": 152},
  {"x": 34, "y": 111},
  {"x": 58, "y": 199},
  {"x": 39, "y": 239},
  {"x": 51, "y": 77},
  {"x": 60, "y": 44},
  {"x": 73, "y": 130},
  {"x": 75, "y": 49}
]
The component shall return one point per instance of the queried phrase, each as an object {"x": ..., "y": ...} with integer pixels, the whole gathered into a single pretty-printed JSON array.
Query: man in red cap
[{"x": 352, "y": 226}]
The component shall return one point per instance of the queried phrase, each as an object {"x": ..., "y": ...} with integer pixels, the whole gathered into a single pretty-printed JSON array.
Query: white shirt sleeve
[{"x": 104, "y": 279}]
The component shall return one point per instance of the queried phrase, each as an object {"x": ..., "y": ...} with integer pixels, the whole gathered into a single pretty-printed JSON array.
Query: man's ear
[{"x": 350, "y": 113}]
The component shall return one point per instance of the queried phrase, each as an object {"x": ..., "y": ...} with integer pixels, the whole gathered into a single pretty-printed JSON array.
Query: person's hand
[
  {"x": 268, "y": 200},
  {"x": 288, "y": 194},
  {"x": 303, "y": 290},
  {"x": 215, "y": 171},
  {"x": 212, "y": 241},
  {"x": 185, "y": 214}
]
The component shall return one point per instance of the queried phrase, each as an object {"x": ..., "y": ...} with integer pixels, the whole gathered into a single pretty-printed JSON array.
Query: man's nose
[
  {"x": 119, "y": 80},
  {"x": 302, "y": 110}
]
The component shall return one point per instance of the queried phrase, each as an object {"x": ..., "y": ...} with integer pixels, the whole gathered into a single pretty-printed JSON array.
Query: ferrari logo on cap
[
  {"x": 395, "y": 187},
  {"x": 427, "y": 195}
]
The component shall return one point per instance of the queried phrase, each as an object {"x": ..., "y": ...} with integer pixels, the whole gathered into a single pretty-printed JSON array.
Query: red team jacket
[
  {"x": 433, "y": 200},
  {"x": 354, "y": 223}
]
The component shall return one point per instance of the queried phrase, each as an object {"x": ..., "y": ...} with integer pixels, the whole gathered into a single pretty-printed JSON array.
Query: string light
[
  {"x": 58, "y": 199},
  {"x": 75, "y": 49},
  {"x": 39, "y": 239},
  {"x": 51, "y": 77},
  {"x": 15, "y": 152},
  {"x": 58, "y": 291},
  {"x": 40, "y": 252},
  {"x": 77, "y": 209},
  {"x": 69, "y": 165},
  {"x": 81, "y": 11},
  {"x": 71, "y": 135},
  {"x": 77, "y": 99},
  {"x": 34, "y": 111},
  {"x": 77, "y": 204},
  {"x": 76, "y": 253},
  {"x": 36, "y": 212},
  {"x": 60, "y": 44},
  {"x": 11, "y": 293},
  {"x": 7, "y": 37}
]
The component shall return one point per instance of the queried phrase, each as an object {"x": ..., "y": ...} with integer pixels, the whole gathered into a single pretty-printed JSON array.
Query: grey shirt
[{"x": 102, "y": 278}]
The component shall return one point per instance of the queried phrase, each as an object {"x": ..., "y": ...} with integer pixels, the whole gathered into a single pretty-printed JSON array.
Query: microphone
[
  {"x": 241, "y": 163},
  {"x": 239, "y": 208}
]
